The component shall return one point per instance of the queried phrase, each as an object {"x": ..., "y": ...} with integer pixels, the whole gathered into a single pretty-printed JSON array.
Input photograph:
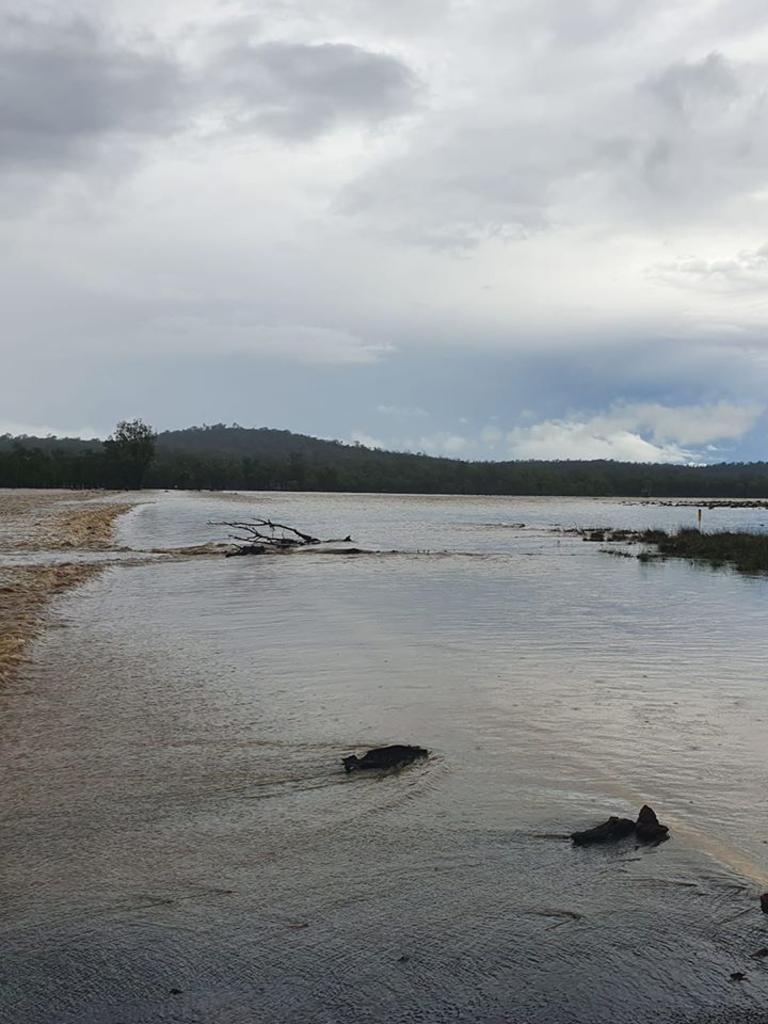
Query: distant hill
[
  {"x": 260, "y": 442},
  {"x": 240, "y": 458}
]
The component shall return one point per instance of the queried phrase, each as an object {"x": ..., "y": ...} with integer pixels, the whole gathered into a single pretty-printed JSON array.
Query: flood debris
[
  {"x": 395, "y": 756},
  {"x": 613, "y": 828},
  {"x": 258, "y": 536},
  {"x": 647, "y": 829}
]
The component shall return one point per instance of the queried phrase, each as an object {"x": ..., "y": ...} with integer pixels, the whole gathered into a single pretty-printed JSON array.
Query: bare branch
[{"x": 252, "y": 539}]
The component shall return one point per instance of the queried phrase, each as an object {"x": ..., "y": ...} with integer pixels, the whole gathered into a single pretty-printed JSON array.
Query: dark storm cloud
[
  {"x": 299, "y": 91},
  {"x": 65, "y": 85}
]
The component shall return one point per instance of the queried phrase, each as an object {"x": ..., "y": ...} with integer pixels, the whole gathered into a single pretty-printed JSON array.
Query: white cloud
[
  {"x": 688, "y": 424},
  {"x": 573, "y": 440},
  {"x": 618, "y": 433},
  {"x": 447, "y": 444},
  {"x": 747, "y": 271},
  {"x": 360, "y": 437}
]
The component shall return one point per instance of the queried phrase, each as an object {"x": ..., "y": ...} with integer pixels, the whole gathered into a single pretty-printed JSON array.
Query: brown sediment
[
  {"x": 91, "y": 529},
  {"x": 24, "y": 594},
  {"x": 46, "y": 521},
  {"x": 51, "y": 523}
]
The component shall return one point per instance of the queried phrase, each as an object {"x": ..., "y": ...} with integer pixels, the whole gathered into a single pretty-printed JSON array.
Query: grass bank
[{"x": 747, "y": 552}]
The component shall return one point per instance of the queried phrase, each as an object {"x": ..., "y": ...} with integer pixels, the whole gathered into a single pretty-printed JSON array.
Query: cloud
[
  {"x": 630, "y": 432},
  {"x": 618, "y": 433},
  {"x": 629, "y": 146},
  {"x": 301, "y": 343},
  {"x": 690, "y": 91},
  {"x": 571, "y": 440},
  {"x": 747, "y": 271},
  {"x": 361, "y": 437},
  {"x": 65, "y": 85},
  {"x": 692, "y": 424},
  {"x": 318, "y": 209},
  {"x": 297, "y": 91},
  {"x": 70, "y": 87},
  {"x": 442, "y": 443}
]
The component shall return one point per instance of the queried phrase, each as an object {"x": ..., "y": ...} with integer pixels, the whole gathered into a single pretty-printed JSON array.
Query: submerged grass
[{"x": 747, "y": 552}]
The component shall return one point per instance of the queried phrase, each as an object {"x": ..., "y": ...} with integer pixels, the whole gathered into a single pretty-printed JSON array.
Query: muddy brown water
[{"x": 180, "y": 842}]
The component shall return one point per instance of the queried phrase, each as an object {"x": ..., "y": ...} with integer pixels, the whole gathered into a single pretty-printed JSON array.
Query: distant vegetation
[
  {"x": 235, "y": 458},
  {"x": 747, "y": 552},
  {"x": 120, "y": 462}
]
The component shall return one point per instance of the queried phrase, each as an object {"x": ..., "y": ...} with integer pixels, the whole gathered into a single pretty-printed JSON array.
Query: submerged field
[{"x": 185, "y": 843}]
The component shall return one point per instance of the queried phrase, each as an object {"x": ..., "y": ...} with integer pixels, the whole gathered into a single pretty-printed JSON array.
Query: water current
[{"x": 181, "y": 844}]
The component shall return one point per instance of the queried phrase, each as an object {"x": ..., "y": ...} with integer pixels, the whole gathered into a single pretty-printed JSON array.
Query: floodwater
[{"x": 181, "y": 845}]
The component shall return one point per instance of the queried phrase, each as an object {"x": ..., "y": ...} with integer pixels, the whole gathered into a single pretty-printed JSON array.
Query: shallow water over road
[{"x": 177, "y": 817}]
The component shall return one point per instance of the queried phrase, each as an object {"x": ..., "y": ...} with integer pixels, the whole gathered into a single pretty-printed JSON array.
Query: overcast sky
[{"x": 484, "y": 228}]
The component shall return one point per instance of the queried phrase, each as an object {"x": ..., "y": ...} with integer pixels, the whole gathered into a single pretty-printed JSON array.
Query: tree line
[{"x": 219, "y": 457}]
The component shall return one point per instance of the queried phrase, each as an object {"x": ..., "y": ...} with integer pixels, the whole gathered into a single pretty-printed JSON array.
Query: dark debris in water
[
  {"x": 647, "y": 829},
  {"x": 395, "y": 756}
]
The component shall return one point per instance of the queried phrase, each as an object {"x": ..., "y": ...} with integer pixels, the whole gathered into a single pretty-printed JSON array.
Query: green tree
[{"x": 130, "y": 449}]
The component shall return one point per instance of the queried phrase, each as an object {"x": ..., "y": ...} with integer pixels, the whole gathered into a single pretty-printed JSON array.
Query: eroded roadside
[{"x": 47, "y": 521}]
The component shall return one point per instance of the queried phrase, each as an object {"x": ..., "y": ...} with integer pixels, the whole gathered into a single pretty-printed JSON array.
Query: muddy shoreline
[{"x": 46, "y": 522}]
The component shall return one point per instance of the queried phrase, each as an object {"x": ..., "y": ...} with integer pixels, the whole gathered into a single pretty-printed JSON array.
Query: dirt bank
[
  {"x": 45, "y": 521},
  {"x": 24, "y": 593},
  {"x": 57, "y": 520}
]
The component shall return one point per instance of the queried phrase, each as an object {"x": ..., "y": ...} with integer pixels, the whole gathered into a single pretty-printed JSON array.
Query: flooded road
[{"x": 181, "y": 844}]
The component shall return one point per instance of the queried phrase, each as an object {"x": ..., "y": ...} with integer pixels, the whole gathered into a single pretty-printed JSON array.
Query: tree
[{"x": 130, "y": 449}]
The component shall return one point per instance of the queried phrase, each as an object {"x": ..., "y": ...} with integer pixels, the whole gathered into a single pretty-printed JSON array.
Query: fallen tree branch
[{"x": 257, "y": 536}]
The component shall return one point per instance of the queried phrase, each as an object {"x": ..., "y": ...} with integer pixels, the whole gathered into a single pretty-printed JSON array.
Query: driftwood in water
[
  {"x": 613, "y": 828},
  {"x": 257, "y": 536},
  {"x": 647, "y": 829},
  {"x": 384, "y": 757}
]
